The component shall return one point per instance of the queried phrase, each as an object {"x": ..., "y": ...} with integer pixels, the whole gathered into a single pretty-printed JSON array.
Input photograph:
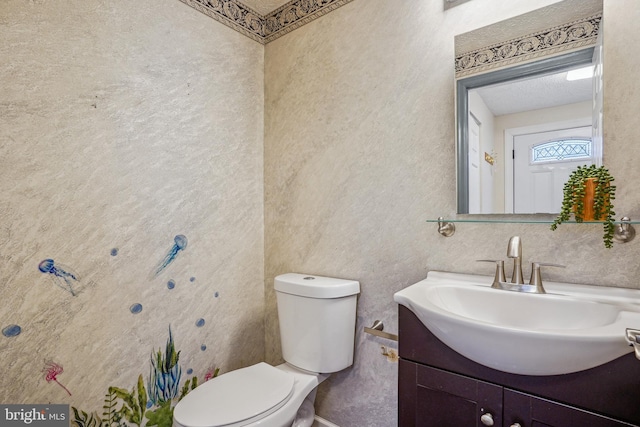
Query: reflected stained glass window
[{"x": 560, "y": 150}]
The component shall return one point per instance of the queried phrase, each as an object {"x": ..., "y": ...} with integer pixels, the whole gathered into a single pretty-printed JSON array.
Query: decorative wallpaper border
[
  {"x": 552, "y": 41},
  {"x": 264, "y": 29}
]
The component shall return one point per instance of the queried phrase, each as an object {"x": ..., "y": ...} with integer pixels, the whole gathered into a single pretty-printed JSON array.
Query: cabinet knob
[
  {"x": 486, "y": 419},
  {"x": 515, "y": 425}
]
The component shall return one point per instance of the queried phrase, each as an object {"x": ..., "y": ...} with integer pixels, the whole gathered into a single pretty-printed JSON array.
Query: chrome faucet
[{"x": 514, "y": 250}]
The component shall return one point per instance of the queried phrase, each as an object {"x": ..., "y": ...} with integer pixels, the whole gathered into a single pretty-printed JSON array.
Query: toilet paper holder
[{"x": 377, "y": 330}]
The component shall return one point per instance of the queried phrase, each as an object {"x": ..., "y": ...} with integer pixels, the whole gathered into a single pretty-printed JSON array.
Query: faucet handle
[
  {"x": 499, "y": 277},
  {"x": 537, "y": 264},
  {"x": 536, "y": 278}
]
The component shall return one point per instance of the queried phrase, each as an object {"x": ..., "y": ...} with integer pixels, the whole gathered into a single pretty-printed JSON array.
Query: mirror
[{"x": 523, "y": 128}]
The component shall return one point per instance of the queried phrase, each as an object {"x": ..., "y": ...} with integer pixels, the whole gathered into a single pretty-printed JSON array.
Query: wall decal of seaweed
[
  {"x": 162, "y": 416},
  {"x": 144, "y": 406},
  {"x": 164, "y": 374},
  {"x": 82, "y": 419},
  {"x": 188, "y": 386},
  {"x": 110, "y": 416},
  {"x": 134, "y": 404}
]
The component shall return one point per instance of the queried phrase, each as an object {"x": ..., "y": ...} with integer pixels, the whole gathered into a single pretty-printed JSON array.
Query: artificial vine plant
[{"x": 573, "y": 199}]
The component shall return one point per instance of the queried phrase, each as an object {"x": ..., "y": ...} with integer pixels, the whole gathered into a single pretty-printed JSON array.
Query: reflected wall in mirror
[{"x": 523, "y": 128}]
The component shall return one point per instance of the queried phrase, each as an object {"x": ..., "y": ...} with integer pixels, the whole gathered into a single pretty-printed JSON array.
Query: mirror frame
[{"x": 463, "y": 85}]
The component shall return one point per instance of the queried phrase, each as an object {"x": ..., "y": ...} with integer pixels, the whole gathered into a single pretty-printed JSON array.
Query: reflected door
[
  {"x": 542, "y": 163},
  {"x": 475, "y": 184}
]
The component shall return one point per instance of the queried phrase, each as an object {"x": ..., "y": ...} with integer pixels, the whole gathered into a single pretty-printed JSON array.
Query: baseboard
[{"x": 321, "y": 422}]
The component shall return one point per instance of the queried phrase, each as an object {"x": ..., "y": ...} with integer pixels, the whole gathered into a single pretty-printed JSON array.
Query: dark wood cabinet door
[
  {"x": 439, "y": 398},
  {"x": 529, "y": 411}
]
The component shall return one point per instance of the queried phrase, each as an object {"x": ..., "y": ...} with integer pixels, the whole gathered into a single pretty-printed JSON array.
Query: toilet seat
[{"x": 236, "y": 398}]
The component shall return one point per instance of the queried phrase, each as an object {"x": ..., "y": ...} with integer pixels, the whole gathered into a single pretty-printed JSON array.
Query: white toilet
[{"x": 317, "y": 328}]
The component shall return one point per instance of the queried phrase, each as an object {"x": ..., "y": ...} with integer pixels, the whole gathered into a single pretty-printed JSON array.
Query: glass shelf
[
  {"x": 623, "y": 230},
  {"x": 520, "y": 221}
]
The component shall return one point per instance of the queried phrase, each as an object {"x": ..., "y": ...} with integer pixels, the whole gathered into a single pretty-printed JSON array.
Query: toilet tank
[{"x": 317, "y": 318}]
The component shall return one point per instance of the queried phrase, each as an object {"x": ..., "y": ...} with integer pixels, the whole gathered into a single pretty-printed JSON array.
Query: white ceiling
[
  {"x": 263, "y": 7},
  {"x": 533, "y": 94}
]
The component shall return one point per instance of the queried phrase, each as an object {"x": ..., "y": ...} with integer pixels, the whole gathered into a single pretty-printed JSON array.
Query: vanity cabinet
[
  {"x": 439, "y": 387},
  {"x": 445, "y": 399}
]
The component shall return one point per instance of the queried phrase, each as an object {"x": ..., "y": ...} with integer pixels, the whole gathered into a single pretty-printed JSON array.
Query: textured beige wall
[
  {"x": 124, "y": 124},
  {"x": 127, "y": 123},
  {"x": 359, "y": 152}
]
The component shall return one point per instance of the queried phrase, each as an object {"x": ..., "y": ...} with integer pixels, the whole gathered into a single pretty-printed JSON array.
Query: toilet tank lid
[{"x": 312, "y": 286}]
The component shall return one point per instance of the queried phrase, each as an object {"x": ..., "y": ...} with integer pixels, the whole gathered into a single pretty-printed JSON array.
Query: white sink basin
[{"x": 570, "y": 328}]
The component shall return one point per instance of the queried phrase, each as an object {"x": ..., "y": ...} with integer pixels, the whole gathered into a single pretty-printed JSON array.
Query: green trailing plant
[{"x": 573, "y": 199}]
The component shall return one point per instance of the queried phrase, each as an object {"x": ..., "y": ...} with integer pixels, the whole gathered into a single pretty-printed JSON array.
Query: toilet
[{"x": 317, "y": 318}]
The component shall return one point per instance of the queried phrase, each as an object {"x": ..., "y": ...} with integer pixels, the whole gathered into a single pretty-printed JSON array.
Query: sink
[{"x": 570, "y": 328}]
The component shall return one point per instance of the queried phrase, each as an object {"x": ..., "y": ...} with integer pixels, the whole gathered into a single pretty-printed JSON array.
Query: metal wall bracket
[
  {"x": 447, "y": 229},
  {"x": 624, "y": 232},
  {"x": 633, "y": 338}
]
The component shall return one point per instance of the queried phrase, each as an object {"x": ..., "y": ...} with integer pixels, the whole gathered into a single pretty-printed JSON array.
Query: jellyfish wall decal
[
  {"x": 62, "y": 276},
  {"x": 180, "y": 244}
]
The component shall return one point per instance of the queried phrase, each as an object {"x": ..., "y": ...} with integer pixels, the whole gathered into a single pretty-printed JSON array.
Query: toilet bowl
[
  {"x": 317, "y": 331},
  {"x": 259, "y": 395}
]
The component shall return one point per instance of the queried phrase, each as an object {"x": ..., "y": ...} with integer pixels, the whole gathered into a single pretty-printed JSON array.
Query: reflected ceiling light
[{"x": 580, "y": 73}]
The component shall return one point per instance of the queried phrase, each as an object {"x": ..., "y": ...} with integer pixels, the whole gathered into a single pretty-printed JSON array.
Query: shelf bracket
[
  {"x": 624, "y": 232},
  {"x": 633, "y": 338},
  {"x": 447, "y": 229}
]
